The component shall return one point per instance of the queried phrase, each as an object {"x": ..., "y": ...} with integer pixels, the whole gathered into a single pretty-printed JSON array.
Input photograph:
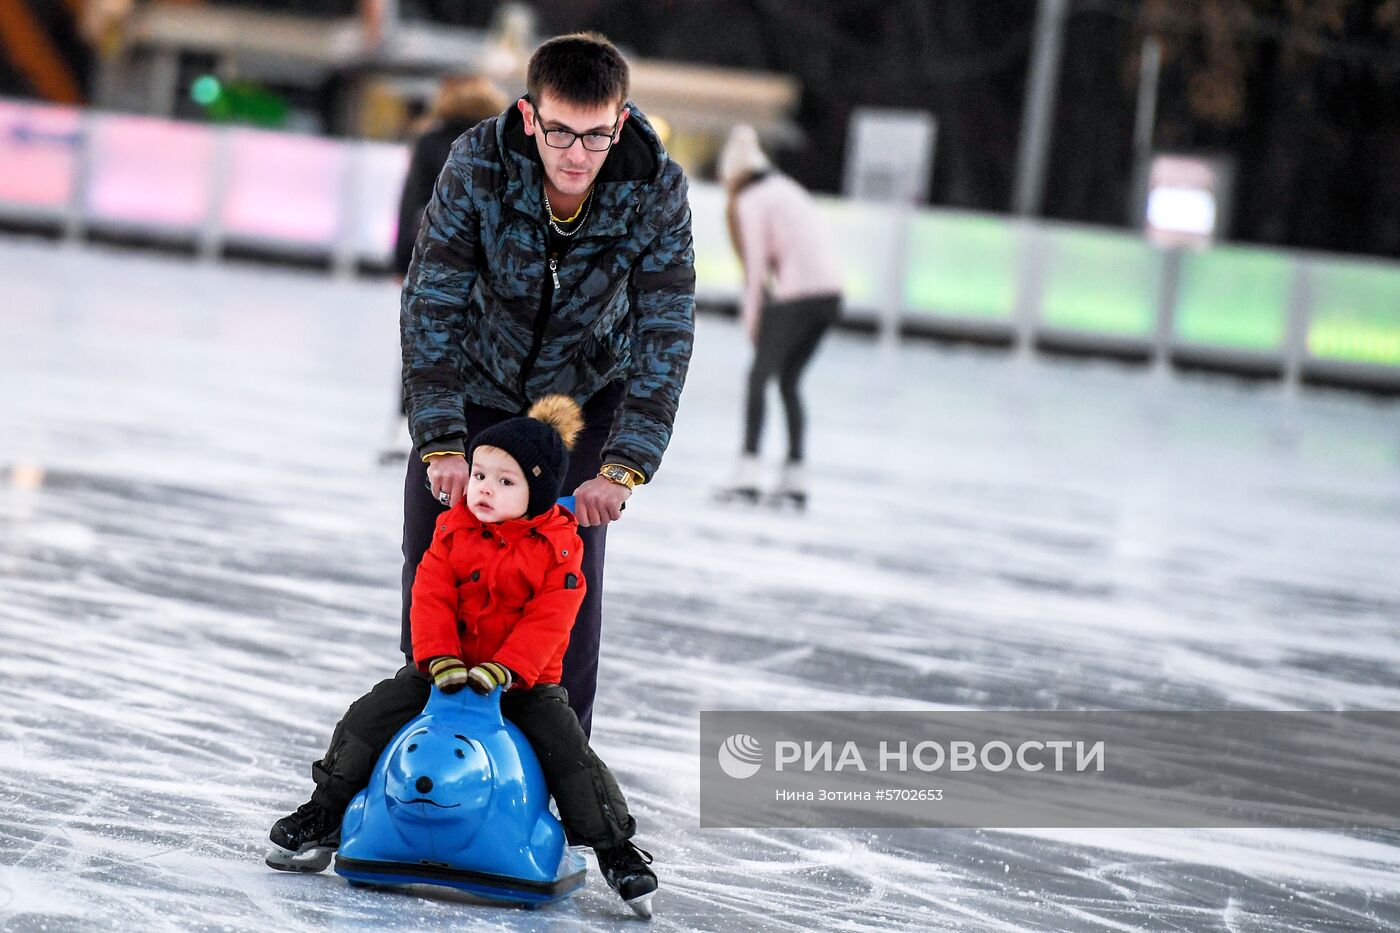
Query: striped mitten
[
  {"x": 487, "y": 677},
  {"x": 449, "y": 673}
]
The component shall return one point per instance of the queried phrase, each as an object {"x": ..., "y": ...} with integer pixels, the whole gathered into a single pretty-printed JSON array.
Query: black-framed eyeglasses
[{"x": 563, "y": 139}]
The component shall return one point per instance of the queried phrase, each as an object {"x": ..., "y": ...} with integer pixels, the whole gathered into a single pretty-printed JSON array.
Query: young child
[{"x": 493, "y": 603}]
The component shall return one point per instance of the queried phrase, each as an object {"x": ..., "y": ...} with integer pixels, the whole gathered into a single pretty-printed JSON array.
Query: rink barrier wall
[{"x": 1032, "y": 285}]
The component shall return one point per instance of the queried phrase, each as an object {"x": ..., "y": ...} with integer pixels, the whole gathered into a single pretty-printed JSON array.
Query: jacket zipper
[
  {"x": 541, "y": 319},
  {"x": 541, "y": 316}
]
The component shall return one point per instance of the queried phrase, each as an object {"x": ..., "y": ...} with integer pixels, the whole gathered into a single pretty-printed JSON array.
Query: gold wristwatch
[{"x": 622, "y": 475}]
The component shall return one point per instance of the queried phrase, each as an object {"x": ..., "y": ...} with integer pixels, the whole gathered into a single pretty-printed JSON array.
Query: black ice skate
[
  {"x": 305, "y": 840},
  {"x": 625, "y": 869}
]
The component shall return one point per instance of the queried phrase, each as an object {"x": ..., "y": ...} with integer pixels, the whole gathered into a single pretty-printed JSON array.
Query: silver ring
[{"x": 444, "y": 498}]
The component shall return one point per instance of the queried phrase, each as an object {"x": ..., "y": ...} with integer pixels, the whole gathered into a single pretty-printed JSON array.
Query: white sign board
[
  {"x": 889, "y": 155},
  {"x": 1187, "y": 200}
]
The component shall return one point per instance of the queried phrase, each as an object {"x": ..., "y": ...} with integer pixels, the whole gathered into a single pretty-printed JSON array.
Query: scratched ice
[{"x": 199, "y": 561}]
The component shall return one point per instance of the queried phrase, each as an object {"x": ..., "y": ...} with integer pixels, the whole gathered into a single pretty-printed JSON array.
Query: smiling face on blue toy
[{"x": 437, "y": 776}]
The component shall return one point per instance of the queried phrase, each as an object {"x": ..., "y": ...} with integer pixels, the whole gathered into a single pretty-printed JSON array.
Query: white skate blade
[
  {"x": 743, "y": 495},
  {"x": 782, "y": 501},
  {"x": 642, "y": 905},
  {"x": 314, "y": 859}
]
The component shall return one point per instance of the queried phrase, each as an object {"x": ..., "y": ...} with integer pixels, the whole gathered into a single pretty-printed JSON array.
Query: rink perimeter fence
[{"x": 1027, "y": 284}]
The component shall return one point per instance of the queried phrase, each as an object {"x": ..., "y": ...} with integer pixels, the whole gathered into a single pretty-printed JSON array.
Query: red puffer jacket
[{"x": 506, "y": 592}]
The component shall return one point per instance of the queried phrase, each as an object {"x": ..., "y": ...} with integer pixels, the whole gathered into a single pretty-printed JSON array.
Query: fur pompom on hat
[
  {"x": 540, "y": 442},
  {"x": 741, "y": 156}
]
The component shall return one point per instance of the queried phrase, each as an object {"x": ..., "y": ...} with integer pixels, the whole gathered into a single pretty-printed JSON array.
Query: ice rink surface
[{"x": 199, "y": 570}]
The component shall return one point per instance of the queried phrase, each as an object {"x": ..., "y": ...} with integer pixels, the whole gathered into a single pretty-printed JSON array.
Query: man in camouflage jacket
[{"x": 554, "y": 256}]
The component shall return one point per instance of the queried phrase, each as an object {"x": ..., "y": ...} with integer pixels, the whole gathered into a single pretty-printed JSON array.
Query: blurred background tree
[{"x": 1304, "y": 94}]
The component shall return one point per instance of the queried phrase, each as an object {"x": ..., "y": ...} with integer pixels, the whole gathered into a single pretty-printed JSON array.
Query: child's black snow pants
[{"x": 591, "y": 805}]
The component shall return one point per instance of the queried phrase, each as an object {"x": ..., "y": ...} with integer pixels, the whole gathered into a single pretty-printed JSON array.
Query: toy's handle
[
  {"x": 466, "y": 700},
  {"x": 568, "y": 503}
]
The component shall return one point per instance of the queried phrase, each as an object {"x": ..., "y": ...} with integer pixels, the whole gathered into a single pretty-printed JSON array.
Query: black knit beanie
[{"x": 540, "y": 442}]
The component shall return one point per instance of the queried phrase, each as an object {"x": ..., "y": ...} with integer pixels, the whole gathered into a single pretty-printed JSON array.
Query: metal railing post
[
  {"x": 1168, "y": 292},
  {"x": 1030, "y": 285},
  {"x": 1295, "y": 340}
]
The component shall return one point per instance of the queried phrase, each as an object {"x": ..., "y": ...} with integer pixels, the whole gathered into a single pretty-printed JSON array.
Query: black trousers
[
  {"x": 788, "y": 335},
  {"x": 591, "y": 805},
  {"x": 420, "y": 512}
]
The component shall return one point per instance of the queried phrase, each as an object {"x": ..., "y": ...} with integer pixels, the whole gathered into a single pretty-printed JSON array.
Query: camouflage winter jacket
[{"x": 623, "y": 308}]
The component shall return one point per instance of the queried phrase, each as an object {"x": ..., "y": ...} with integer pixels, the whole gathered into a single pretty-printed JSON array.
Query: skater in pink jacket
[{"x": 792, "y": 295}]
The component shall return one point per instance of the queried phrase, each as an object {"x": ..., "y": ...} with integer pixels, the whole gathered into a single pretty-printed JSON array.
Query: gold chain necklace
[{"x": 549, "y": 212}]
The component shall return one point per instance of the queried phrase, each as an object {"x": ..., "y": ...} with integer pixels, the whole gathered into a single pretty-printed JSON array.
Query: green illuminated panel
[
  {"x": 866, "y": 240},
  {"x": 717, "y": 269},
  {"x": 1235, "y": 298},
  {"x": 961, "y": 265},
  {"x": 1101, "y": 282},
  {"x": 1355, "y": 313}
]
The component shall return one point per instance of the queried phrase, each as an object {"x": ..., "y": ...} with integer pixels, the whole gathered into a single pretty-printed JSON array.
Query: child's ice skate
[
  {"x": 625, "y": 868},
  {"x": 743, "y": 483},
  {"x": 305, "y": 840},
  {"x": 791, "y": 491}
]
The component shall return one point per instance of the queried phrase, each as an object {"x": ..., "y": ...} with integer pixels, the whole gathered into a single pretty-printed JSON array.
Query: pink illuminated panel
[
  {"x": 38, "y": 156},
  {"x": 284, "y": 189},
  {"x": 151, "y": 173}
]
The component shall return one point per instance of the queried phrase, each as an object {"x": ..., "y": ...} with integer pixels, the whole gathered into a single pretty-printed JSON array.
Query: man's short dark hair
[{"x": 581, "y": 68}]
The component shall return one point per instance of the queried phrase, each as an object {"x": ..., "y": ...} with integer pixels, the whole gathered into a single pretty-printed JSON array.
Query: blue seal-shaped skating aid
[{"x": 458, "y": 799}]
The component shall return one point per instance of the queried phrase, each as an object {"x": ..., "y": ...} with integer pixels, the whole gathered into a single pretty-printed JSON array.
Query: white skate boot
[
  {"x": 743, "y": 483},
  {"x": 791, "y": 491}
]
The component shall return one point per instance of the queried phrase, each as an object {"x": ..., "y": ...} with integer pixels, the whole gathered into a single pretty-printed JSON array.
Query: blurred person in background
[
  {"x": 555, "y": 256},
  {"x": 462, "y": 101},
  {"x": 792, "y": 295}
]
